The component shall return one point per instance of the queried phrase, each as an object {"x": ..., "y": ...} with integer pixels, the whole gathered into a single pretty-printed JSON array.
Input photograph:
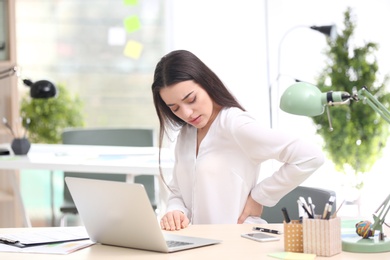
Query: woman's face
[{"x": 191, "y": 103}]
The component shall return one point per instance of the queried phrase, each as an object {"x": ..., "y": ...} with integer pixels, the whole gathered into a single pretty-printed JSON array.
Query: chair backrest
[
  {"x": 319, "y": 197},
  {"x": 109, "y": 137}
]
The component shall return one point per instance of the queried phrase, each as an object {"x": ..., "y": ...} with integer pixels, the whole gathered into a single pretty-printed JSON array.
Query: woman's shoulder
[
  {"x": 230, "y": 115},
  {"x": 232, "y": 112}
]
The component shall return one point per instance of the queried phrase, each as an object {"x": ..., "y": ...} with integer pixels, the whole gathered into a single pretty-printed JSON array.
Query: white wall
[{"x": 230, "y": 37}]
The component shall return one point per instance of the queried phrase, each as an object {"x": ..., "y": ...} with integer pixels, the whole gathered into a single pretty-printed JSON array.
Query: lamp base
[{"x": 362, "y": 245}]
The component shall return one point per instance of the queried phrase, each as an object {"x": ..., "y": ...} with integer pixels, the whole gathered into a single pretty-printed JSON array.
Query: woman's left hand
[{"x": 252, "y": 208}]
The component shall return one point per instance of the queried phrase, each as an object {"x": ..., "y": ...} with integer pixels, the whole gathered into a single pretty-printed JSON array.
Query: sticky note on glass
[
  {"x": 130, "y": 2},
  {"x": 132, "y": 23},
  {"x": 133, "y": 49},
  {"x": 293, "y": 256}
]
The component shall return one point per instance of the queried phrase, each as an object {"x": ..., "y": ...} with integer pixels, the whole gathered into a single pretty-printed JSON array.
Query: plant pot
[{"x": 20, "y": 146}]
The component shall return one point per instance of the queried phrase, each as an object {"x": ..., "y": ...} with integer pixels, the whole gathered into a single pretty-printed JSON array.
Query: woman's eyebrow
[{"x": 186, "y": 96}]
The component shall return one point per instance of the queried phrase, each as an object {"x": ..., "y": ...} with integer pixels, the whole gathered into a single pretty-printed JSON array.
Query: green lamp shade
[{"x": 302, "y": 99}]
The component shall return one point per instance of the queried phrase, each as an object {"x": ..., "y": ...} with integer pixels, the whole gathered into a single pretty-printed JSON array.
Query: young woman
[{"x": 220, "y": 148}]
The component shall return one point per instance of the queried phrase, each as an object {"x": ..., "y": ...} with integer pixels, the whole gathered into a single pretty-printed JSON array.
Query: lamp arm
[
  {"x": 379, "y": 217},
  {"x": 380, "y": 214},
  {"x": 364, "y": 94}
]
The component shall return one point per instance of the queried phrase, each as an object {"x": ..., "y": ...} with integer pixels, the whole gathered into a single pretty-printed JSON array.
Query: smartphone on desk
[{"x": 260, "y": 237}]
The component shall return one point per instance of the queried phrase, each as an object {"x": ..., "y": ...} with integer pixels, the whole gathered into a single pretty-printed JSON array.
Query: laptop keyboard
[{"x": 172, "y": 243}]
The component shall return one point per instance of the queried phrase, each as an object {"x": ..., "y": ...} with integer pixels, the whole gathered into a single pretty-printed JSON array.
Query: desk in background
[
  {"x": 91, "y": 159},
  {"x": 232, "y": 247}
]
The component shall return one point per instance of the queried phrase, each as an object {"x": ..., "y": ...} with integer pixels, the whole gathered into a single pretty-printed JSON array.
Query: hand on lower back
[{"x": 251, "y": 208}]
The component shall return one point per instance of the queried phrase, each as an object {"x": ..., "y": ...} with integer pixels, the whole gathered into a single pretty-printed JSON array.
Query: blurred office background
[{"x": 105, "y": 51}]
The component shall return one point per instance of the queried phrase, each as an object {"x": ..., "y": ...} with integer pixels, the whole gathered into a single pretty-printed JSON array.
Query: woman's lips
[{"x": 195, "y": 121}]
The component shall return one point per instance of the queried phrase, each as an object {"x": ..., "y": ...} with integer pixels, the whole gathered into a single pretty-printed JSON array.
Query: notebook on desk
[{"x": 120, "y": 214}]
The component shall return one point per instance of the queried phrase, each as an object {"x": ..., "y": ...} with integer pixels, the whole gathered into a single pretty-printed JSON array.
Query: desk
[
  {"x": 232, "y": 247},
  {"x": 90, "y": 158},
  {"x": 94, "y": 159}
]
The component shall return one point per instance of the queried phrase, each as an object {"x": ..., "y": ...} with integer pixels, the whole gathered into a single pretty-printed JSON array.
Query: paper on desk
[
  {"x": 48, "y": 235},
  {"x": 293, "y": 256},
  {"x": 60, "y": 248}
]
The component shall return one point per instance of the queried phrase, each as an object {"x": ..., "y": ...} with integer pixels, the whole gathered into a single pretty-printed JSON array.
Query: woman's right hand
[{"x": 174, "y": 220}]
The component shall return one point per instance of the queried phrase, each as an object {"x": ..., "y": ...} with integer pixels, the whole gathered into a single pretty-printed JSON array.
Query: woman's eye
[{"x": 193, "y": 100}]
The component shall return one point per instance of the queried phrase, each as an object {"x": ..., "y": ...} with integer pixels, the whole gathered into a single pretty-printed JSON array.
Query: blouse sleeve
[
  {"x": 175, "y": 198},
  {"x": 299, "y": 158}
]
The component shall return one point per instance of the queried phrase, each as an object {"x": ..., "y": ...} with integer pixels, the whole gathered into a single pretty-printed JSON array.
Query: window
[
  {"x": 84, "y": 45},
  {"x": 89, "y": 48}
]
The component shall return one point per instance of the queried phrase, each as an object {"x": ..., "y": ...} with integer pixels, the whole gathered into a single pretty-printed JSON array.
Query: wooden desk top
[{"x": 232, "y": 247}]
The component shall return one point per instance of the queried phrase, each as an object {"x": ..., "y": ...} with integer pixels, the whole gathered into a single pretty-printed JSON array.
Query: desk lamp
[
  {"x": 307, "y": 100},
  {"x": 39, "y": 89},
  {"x": 327, "y": 30}
]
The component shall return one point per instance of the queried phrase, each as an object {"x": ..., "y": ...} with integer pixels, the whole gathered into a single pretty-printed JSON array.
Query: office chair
[
  {"x": 319, "y": 197},
  {"x": 106, "y": 137}
]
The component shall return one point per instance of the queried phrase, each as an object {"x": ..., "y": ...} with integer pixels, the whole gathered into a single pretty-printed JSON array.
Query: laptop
[{"x": 120, "y": 214}]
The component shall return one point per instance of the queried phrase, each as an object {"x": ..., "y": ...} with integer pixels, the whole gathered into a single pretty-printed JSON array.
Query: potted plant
[
  {"x": 359, "y": 133},
  {"x": 48, "y": 117}
]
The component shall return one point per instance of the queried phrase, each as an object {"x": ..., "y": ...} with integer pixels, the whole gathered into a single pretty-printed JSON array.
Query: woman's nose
[{"x": 187, "y": 112}]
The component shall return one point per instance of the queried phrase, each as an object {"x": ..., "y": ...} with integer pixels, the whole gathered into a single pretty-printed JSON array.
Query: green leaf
[
  {"x": 49, "y": 117},
  {"x": 359, "y": 133}
]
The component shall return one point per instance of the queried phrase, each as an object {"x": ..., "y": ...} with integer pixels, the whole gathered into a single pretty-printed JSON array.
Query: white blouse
[{"x": 213, "y": 186}]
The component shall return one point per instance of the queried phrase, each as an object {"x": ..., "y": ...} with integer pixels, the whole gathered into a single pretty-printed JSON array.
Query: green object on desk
[
  {"x": 8, "y": 158},
  {"x": 365, "y": 245},
  {"x": 292, "y": 256},
  {"x": 352, "y": 242}
]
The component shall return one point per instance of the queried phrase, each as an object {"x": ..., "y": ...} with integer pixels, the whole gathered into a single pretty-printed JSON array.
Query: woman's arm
[{"x": 299, "y": 158}]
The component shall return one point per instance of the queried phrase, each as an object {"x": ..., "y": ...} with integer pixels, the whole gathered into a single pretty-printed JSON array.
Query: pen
[
  {"x": 267, "y": 230},
  {"x": 305, "y": 208},
  {"x": 331, "y": 200},
  {"x": 301, "y": 211},
  {"x": 337, "y": 210},
  {"x": 311, "y": 205},
  {"x": 285, "y": 214},
  {"x": 325, "y": 210},
  {"x": 328, "y": 205},
  {"x": 329, "y": 211}
]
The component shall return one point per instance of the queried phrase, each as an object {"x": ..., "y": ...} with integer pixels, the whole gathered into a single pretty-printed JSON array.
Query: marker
[
  {"x": 285, "y": 214},
  {"x": 267, "y": 230}
]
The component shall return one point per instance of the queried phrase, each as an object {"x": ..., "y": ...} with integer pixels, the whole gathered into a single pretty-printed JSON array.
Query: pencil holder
[
  {"x": 293, "y": 240},
  {"x": 20, "y": 146},
  {"x": 322, "y": 237}
]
